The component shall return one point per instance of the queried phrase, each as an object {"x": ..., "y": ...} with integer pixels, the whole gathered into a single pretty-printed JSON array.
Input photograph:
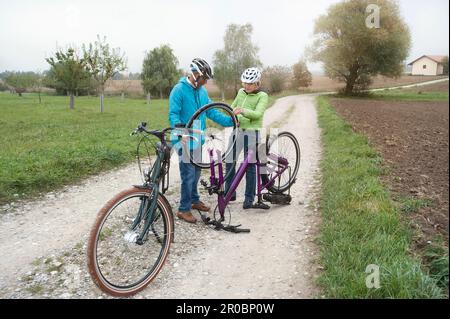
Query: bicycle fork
[{"x": 147, "y": 212}]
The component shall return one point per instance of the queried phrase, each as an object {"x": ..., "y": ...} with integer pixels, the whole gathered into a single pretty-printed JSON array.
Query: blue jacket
[{"x": 185, "y": 100}]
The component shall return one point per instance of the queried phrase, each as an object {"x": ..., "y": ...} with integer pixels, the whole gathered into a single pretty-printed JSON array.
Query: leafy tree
[
  {"x": 301, "y": 77},
  {"x": 86, "y": 85},
  {"x": 4, "y": 74},
  {"x": 3, "y": 86},
  {"x": 353, "y": 50},
  {"x": 223, "y": 72},
  {"x": 238, "y": 54},
  {"x": 103, "y": 63},
  {"x": 276, "y": 78},
  {"x": 159, "y": 71},
  {"x": 68, "y": 71},
  {"x": 21, "y": 81},
  {"x": 445, "y": 64}
]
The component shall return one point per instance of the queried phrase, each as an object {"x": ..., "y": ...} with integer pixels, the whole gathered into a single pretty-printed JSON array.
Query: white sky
[{"x": 31, "y": 30}]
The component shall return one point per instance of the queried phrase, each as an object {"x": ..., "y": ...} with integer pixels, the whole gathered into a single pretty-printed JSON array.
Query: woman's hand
[{"x": 237, "y": 111}]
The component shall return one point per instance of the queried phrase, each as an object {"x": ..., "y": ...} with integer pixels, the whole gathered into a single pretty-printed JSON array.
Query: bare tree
[{"x": 103, "y": 63}]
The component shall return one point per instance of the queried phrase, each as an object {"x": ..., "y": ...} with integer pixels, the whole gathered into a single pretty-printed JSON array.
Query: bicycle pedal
[{"x": 205, "y": 218}]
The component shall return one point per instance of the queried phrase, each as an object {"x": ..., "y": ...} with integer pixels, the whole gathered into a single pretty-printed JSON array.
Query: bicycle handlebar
[{"x": 142, "y": 128}]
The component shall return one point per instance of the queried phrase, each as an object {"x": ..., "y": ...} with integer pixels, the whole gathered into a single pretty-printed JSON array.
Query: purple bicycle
[{"x": 279, "y": 157}]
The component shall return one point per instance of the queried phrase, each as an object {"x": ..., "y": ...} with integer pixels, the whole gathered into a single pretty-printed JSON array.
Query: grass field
[
  {"x": 325, "y": 84},
  {"x": 433, "y": 93},
  {"x": 361, "y": 225},
  {"x": 44, "y": 146}
]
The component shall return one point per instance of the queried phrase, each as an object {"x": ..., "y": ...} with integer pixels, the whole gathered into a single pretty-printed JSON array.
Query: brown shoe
[
  {"x": 187, "y": 216},
  {"x": 201, "y": 207}
]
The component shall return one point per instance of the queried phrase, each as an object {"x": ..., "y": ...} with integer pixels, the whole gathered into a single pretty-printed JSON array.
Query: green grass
[
  {"x": 413, "y": 205},
  {"x": 45, "y": 146},
  {"x": 410, "y": 95},
  {"x": 436, "y": 257},
  {"x": 405, "y": 95},
  {"x": 361, "y": 225}
]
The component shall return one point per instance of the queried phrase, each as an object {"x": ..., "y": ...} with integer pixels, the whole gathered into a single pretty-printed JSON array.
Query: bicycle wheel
[
  {"x": 118, "y": 264},
  {"x": 220, "y": 133},
  {"x": 283, "y": 146}
]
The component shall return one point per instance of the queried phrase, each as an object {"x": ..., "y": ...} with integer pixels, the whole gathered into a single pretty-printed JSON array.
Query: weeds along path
[{"x": 275, "y": 260}]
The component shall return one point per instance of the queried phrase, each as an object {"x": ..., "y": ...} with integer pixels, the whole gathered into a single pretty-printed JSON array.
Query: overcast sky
[{"x": 31, "y": 30}]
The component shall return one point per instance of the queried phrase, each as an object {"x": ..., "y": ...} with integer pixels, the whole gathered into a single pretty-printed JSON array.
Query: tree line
[{"x": 353, "y": 40}]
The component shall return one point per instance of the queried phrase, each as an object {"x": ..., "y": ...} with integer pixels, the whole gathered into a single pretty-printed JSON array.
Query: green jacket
[{"x": 253, "y": 106}]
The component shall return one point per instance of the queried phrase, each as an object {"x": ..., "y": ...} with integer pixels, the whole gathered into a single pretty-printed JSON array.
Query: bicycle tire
[
  {"x": 293, "y": 159},
  {"x": 101, "y": 255},
  {"x": 204, "y": 161}
]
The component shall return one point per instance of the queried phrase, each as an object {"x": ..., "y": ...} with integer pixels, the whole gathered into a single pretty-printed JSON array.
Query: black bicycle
[{"x": 131, "y": 237}]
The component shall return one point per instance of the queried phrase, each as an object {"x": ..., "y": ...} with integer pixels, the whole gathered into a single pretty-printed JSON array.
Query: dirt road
[{"x": 42, "y": 243}]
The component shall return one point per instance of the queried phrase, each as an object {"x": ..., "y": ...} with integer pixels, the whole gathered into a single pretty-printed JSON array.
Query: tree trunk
[
  {"x": 39, "y": 94},
  {"x": 349, "y": 87},
  {"x": 72, "y": 101},
  {"x": 148, "y": 98},
  {"x": 122, "y": 97},
  {"x": 351, "y": 80},
  {"x": 102, "y": 101},
  {"x": 160, "y": 94},
  {"x": 223, "y": 95}
]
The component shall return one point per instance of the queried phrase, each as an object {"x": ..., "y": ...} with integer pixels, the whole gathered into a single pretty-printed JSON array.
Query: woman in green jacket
[{"x": 249, "y": 106}]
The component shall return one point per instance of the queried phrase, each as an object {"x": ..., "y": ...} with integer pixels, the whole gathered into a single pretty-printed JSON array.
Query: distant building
[{"x": 428, "y": 65}]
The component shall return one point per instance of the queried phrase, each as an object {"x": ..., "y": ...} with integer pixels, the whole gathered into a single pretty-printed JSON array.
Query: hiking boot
[
  {"x": 201, "y": 207},
  {"x": 247, "y": 205},
  {"x": 187, "y": 216}
]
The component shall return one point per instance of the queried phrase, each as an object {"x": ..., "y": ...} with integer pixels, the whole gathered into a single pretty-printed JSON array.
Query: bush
[{"x": 276, "y": 78}]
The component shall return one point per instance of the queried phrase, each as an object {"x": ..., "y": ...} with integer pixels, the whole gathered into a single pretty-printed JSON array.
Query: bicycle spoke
[{"x": 121, "y": 261}]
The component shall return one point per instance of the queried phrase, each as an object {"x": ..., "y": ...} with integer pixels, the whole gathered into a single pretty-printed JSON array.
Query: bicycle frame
[
  {"x": 148, "y": 205},
  {"x": 224, "y": 199},
  {"x": 158, "y": 174}
]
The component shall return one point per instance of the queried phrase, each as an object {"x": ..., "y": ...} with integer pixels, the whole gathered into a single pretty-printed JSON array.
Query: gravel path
[{"x": 43, "y": 242}]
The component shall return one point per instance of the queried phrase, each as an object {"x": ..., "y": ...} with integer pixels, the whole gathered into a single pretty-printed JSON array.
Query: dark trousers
[{"x": 247, "y": 140}]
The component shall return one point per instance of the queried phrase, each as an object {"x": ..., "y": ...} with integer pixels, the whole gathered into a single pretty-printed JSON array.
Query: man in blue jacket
[{"x": 185, "y": 99}]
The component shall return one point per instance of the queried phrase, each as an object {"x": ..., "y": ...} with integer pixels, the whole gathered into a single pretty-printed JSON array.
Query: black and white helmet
[
  {"x": 251, "y": 75},
  {"x": 201, "y": 66}
]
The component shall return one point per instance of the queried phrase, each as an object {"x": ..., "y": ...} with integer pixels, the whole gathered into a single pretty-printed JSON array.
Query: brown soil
[{"x": 413, "y": 138}]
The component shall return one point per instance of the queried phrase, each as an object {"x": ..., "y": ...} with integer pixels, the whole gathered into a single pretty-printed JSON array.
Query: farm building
[{"x": 428, "y": 65}]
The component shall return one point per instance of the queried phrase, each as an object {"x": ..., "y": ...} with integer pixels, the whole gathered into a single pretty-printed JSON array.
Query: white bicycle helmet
[{"x": 251, "y": 75}]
